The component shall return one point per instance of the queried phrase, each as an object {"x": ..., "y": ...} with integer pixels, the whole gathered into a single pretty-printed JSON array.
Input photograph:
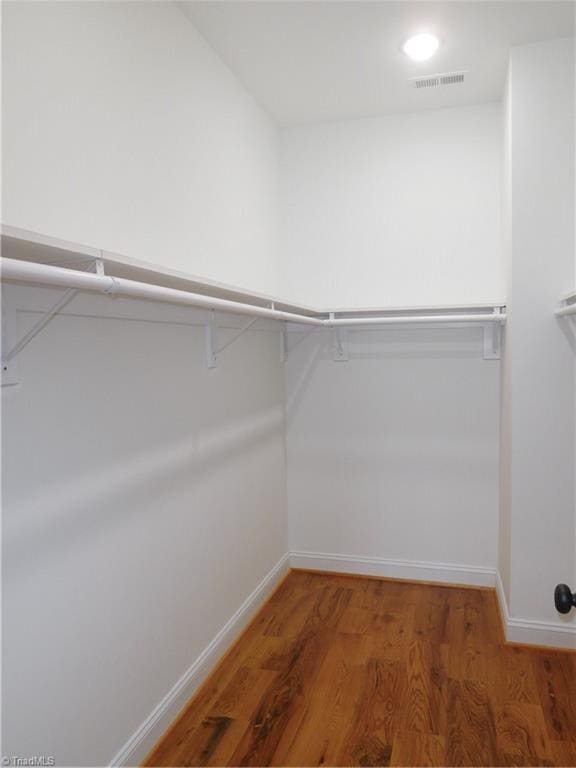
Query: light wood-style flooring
[{"x": 347, "y": 671}]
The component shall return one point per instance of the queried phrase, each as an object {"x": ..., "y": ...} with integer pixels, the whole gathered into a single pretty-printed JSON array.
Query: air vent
[
  {"x": 452, "y": 79},
  {"x": 426, "y": 82},
  {"x": 435, "y": 81}
]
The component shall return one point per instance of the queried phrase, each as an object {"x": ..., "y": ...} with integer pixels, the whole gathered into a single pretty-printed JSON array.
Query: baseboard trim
[
  {"x": 531, "y": 631},
  {"x": 414, "y": 570},
  {"x": 521, "y": 631},
  {"x": 516, "y": 631},
  {"x": 159, "y": 720},
  {"x": 542, "y": 633},
  {"x": 502, "y": 603}
]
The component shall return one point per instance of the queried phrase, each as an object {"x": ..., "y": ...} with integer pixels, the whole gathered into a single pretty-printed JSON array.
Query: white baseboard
[
  {"x": 502, "y": 600},
  {"x": 443, "y": 573},
  {"x": 516, "y": 630},
  {"x": 528, "y": 631},
  {"x": 531, "y": 631},
  {"x": 142, "y": 741}
]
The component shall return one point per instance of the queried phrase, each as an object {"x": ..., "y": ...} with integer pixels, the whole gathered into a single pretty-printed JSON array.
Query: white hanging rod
[
  {"x": 29, "y": 272},
  {"x": 402, "y": 319}
]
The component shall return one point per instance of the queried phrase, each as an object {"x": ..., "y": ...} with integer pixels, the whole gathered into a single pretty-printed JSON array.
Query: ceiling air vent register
[{"x": 437, "y": 81}]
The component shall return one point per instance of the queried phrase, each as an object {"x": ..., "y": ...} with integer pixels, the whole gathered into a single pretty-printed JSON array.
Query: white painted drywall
[
  {"x": 123, "y": 130},
  {"x": 402, "y": 210},
  {"x": 394, "y": 454},
  {"x": 143, "y": 501},
  {"x": 540, "y": 420},
  {"x": 505, "y": 384}
]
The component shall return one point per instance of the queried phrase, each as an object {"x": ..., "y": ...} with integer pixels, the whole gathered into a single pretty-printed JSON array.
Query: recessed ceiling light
[{"x": 421, "y": 47}]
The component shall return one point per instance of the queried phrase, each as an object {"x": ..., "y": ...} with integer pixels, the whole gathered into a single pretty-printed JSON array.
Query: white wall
[
  {"x": 539, "y": 425},
  {"x": 144, "y": 495},
  {"x": 124, "y": 131},
  {"x": 505, "y": 382},
  {"x": 402, "y": 210},
  {"x": 394, "y": 454},
  {"x": 143, "y": 501}
]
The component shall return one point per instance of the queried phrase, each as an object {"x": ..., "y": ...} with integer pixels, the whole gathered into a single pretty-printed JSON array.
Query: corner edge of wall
[{"x": 531, "y": 631}]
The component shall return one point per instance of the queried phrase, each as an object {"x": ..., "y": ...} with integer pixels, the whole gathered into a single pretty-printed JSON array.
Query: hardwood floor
[{"x": 340, "y": 670}]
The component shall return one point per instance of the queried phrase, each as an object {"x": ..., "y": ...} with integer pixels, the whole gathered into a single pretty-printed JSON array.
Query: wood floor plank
[
  {"x": 243, "y": 694},
  {"x": 391, "y": 641},
  {"x": 330, "y": 605},
  {"x": 424, "y": 710},
  {"x": 521, "y": 735},
  {"x": 207, "y": 740},
  {"x": 555, "y": 678},
  {"x": 331, "y": 705},
  {"x": 420, "y": 749},
  {"x": 564, "y": 753},
  {"x": 282, "y": 702},
  {"x": 296, "y": 608},
  {"x": 343, "y": 670},
  {"x": 383, "y": 687},
  {"x": 470, "y": 733},
  {"x": 518, "y": 681},
  {"x": 431, "y": 615}
]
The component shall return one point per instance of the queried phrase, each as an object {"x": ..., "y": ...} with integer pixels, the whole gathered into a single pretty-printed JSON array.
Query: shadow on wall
[
  {"x": 568, "y": 330},
  {"x": 381, "y": 344},
  {"x": 55, "y": 515},
  {"x": 300, "y": 385}
]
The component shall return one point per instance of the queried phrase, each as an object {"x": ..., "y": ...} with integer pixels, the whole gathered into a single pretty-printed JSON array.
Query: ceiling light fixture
[{"x": 421, "y": 47}]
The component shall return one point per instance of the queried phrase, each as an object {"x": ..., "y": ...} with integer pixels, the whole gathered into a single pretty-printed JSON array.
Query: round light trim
[{"x": 421, "y": 47}]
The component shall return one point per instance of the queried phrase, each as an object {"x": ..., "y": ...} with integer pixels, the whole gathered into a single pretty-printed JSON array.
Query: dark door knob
[{"x": 563, "y": 598}]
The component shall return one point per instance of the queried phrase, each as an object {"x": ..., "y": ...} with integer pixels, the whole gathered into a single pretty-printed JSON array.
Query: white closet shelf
[
  {"x": 24, "y": 245},
  {"x": 35, "y": 259},
  {"x": 96, "y": 282},
  {"x": 30, "y": 257}
]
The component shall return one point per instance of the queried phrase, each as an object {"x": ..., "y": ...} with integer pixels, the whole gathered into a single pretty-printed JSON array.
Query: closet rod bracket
[
  {"x": 339, "y": 343},
  {"x": 493, "y": 339}
]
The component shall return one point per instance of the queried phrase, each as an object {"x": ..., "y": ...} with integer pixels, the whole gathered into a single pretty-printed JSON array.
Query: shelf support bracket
[
  {"x": 210, "y": 340},
  {"x": 284, "y": 342},
  {"x": 286, "y": 349},
  {"x": 339, "y": 343},
  {"x": 492, "y": 341},
  {"x": 9, "y": 330},
  {"x": 37, "y": 327},
  {"x": 237, "y": 335},
  {"x": 212, "y": 350}
]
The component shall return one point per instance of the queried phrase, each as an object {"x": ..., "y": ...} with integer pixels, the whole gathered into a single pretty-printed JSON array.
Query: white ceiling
[{"x": 308, "y": 61}]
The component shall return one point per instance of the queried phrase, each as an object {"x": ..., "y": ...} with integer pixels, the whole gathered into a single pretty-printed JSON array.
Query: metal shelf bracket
[
  {"x": 339, "y": 343},
  {"x": 493, "y": 339},
  {"x": 9, "y": 368},
  {"x": 285, "y": 348},
  {"x": 8, "y": 364},
  {"x": 209, "y": 340},
  {"x": 16, "y": 348},
  {"x": 211, "y": 331}
]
